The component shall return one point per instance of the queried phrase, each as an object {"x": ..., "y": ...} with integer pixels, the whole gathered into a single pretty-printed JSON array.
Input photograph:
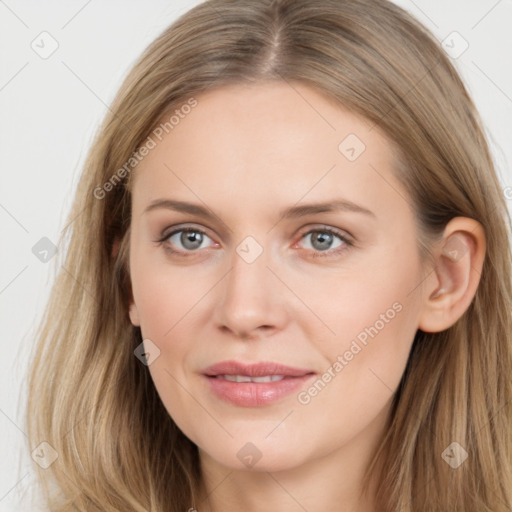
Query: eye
[
  {"x": 188, "y": 239},
  {"x": 326, "y": 240},
  {"x": 322, "y": 241}
]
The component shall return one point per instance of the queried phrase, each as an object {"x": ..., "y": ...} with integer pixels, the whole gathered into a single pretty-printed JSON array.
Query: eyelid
[
  {"x": 324, "y": 227},
  {"x": 168, "y": 232}
]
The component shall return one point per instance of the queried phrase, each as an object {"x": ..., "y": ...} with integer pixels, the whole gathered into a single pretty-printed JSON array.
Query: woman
[{"x": 288, "y": 278}]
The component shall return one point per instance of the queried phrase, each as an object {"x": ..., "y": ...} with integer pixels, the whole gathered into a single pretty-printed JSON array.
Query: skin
[{"x": 246, "y": 152}]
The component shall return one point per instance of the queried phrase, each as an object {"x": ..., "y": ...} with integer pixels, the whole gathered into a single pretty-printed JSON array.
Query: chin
[{"x": 255, "y": 456}]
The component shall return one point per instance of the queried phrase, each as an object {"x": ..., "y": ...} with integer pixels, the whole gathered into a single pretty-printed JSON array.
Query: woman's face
[{"x": 301, "y": 252}]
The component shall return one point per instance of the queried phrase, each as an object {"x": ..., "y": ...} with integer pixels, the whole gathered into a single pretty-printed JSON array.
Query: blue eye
[
  {"x": 325, "y": 240},
  {"x": 190, "y": 239}
]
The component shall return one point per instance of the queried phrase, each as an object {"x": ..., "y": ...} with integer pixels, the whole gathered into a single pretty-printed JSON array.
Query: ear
[
  {"x": 134, "y": 315},
  {"x": 451, "y": 286}
]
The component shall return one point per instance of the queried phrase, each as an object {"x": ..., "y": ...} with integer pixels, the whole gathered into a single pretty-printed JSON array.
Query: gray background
[{"x": 50, "y": 108}]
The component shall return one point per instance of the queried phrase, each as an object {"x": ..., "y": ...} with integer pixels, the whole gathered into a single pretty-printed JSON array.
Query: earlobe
[
  {"x": 452, "y": 285},
  {"x": 134, "y": 314}
]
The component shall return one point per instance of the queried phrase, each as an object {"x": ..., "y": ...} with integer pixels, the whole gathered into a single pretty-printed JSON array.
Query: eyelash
[{"x": 316, "y": 254}]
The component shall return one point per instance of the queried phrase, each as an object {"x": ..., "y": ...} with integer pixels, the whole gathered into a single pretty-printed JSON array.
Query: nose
[{"x": 252, "y": 300}]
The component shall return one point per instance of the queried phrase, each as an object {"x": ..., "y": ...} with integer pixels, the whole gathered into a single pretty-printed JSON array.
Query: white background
[{"x": 51, "y": 107}]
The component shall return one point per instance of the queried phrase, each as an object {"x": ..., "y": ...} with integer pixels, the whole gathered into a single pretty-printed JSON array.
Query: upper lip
[{"x": 260, "y": 369}]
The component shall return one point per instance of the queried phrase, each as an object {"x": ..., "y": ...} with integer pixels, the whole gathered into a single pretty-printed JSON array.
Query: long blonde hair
[{"x": 94, "y": 402}]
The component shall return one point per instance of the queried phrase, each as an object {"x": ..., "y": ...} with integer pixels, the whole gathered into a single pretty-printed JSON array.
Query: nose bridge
[
  {"x": 248, "y": 280},
  {"x": 249, "y": 268},
  {"x": 250, "y": 296}
]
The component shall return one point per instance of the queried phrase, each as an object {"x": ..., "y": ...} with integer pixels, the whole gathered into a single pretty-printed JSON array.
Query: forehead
[{"x": 280, "y": 142}]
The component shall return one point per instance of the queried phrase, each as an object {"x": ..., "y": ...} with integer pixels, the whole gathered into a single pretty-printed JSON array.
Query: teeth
[
  {"x": 237, "y": 378},
  {"x": 268, "y": 378},
  {"x": 245, "y": 378}
]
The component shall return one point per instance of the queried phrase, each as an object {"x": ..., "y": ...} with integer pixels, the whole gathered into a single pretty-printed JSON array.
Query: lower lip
[{"x": 255, "y": 394}]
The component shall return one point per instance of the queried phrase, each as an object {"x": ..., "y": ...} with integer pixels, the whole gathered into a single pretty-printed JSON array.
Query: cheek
[
  {"x": 374, "y": 318},
  {"x": 362, "y": 372},
  {"x": 372, "y": 300},
  {"x": 168, "y": 305},
  {"x": 165, "y": 295}
]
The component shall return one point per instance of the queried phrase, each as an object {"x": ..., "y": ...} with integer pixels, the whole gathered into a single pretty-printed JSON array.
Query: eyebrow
[{"x": 337, "y": 205}]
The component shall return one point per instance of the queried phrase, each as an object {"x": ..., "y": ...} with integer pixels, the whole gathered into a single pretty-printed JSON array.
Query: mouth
[{"x": 254, "y": 385}]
